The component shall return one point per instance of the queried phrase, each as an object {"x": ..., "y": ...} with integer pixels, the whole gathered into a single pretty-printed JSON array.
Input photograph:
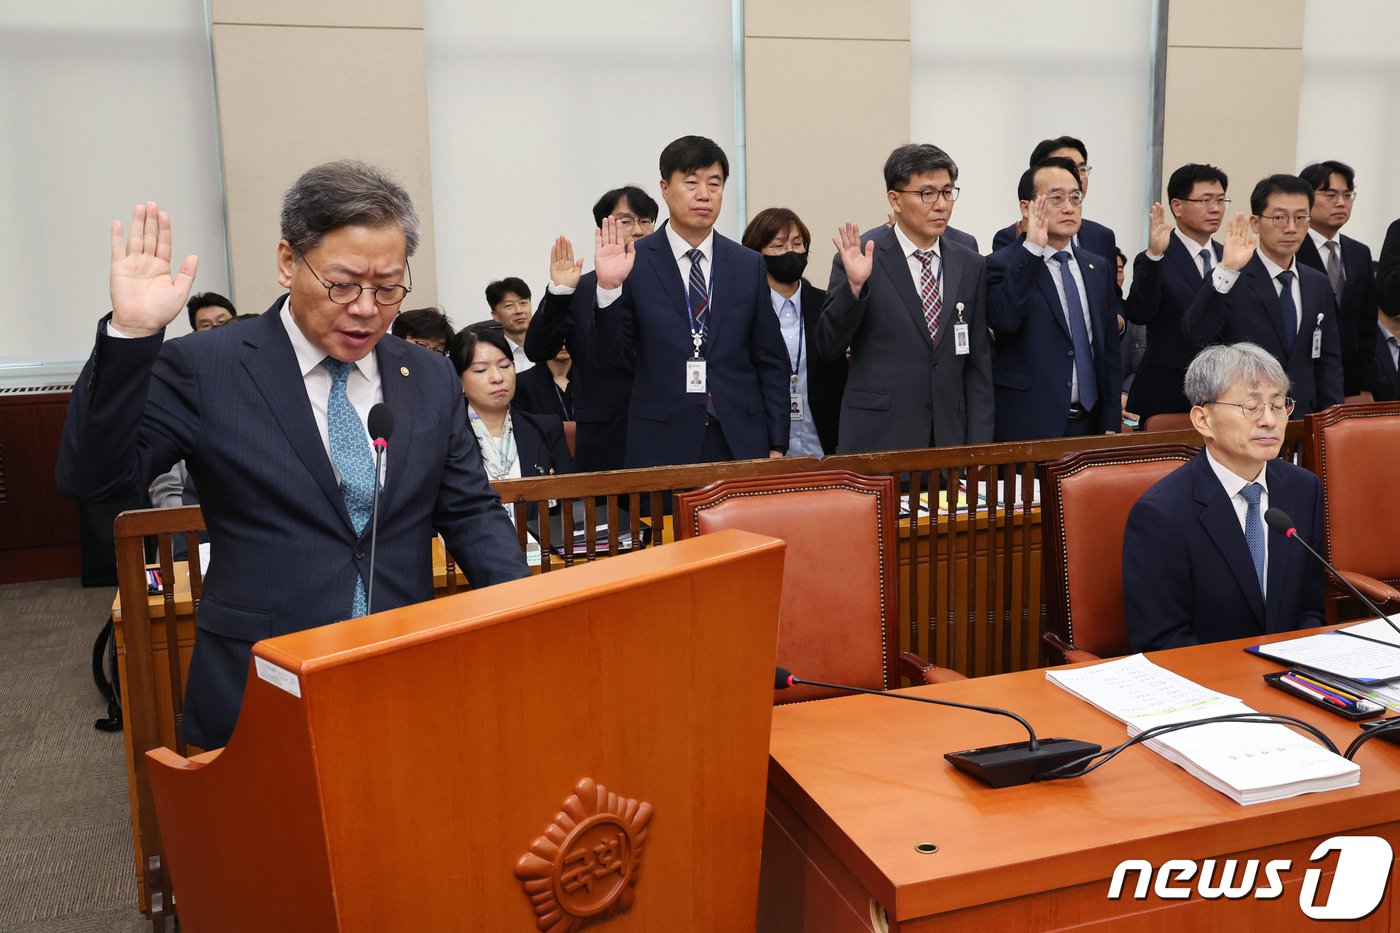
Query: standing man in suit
[
  {"x": 1053, "y": 311},
  {"x": 712, "y": 372},
  {"x": 1198, "y": 563},
  {"x": 269, "y": 417},
  {"x": 1387, "y": 384},
  {"x": 601, "y": 393},
  {"x": 1094, "y": 237},
  {"x": 1167, "y": 277},
  {"x": 1265, "y": 297},
  {"x": 911, "y": 306},
  {"x": 1347, "y": 265},
  {"x": 816, "y": 383}
]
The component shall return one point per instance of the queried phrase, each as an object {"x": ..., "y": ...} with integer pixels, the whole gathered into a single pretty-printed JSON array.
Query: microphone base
[{"x": 1014, "y": 763}]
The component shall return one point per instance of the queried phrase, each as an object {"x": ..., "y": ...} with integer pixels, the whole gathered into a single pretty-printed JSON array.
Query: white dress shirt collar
[
  {"x": 680, "y": 247},
  {"x": 1274, "y": 268},
  {"x": 908, "y": 248},
  {"x": 1192, "y": 246},
  {"x": 1321, "y": 241},
  {"x": 1231, "y": 480},
  {"x": 309, "y": 356}
]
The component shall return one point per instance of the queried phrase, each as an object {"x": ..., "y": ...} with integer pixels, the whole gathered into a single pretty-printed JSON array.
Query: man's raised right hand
[{"x": 144, "y": 297}]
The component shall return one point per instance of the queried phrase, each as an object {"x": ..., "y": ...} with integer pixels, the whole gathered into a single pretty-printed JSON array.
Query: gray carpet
[{"x": 65, "y": 830}]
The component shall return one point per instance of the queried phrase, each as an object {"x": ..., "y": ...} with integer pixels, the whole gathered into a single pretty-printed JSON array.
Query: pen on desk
[
  {"x": 1307, "y": 690},
  {"x": 1329, "y": 689},
  {"x": 1356, "y": 690}
]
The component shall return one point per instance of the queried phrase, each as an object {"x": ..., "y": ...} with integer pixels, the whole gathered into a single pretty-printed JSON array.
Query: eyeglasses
[
  {"x": 627, "y": 222},
  {"x": 931, "y": 195},
  {"x": 346, "y": 293},
  {"x": 1084, "y": 169},
  {"x": 1254, "y": 409},
  {"x": 437, "y": 346},
  {"x": 1282, "y": 220},
  {"x": 1332, "y": 194},
  {"x": 1059, "y": 198},
  {"x": 1208, "y": 202}
]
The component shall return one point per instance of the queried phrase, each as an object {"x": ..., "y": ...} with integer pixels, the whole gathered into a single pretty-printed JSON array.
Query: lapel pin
[
  {"x": 1091, "y": 267},
  {"x": 403, "y": 370}
]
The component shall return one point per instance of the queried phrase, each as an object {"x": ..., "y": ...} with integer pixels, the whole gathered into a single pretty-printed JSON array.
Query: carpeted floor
[{"x": 65, "y": 831}]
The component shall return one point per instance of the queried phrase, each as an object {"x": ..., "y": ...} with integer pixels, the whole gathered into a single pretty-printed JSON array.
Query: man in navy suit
[
  {"x": 269, "y": 419},
  {"x": 712, "y": 369},
  {"x": 1199, "y": 565},
  {"x": 1347, "y": 265},
  {"x": 1167, "y": 277},
  {"x": 1387, "y": 385},
  {"x": 601, "y": 393},
  {"x": 1053, "y": 309},
  {"x": 1094, "y": 237},
  {"x": 1265, "y": 297}
]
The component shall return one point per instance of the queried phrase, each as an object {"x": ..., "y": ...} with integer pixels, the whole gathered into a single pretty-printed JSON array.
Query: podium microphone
[
  {"x": 1278, "y": 520},
  {"x": 381, "y": 425},
  {"x": 997, "y": 766}
]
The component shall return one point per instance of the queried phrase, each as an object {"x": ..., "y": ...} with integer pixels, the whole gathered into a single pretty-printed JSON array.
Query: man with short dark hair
[
  {"x": 1347, "y": 265},
  {"x": 427, "y": 327},
  {"x": 1094, "y": 237},
  {"x": 270, "y": 418},
  {"x": 1263, "y": 296},
  {"x": 1167, "y": 277},
  {"x": 509, "y": 301},
  {"x": 208, "y": 310},
  {"x": 911, "y": 306}
]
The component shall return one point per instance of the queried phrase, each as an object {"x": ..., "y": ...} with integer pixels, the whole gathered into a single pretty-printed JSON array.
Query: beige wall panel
[
  {"x": 827, "y": 19},
  {"x": 1252, "y": 24},
  {"x": 818, "y": 146},
  {"x": 288, "y": 101},
  {"x": 394, "y": 14},
  {"x": 1250, "y": 135}
]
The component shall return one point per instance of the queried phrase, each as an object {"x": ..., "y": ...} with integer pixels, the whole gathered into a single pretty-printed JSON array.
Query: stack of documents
[
  {"x": 1367, "y": 653},
  {"x": 1248, "y": 762}
]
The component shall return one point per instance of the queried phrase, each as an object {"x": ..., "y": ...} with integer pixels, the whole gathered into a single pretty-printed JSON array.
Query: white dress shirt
[
  {"x": 916, "y": 266},
  {"x": 1224, "y": 279},
  {"x": 1233, "y": 483},
  {"x": 1047, "y": 255},
  {"x": 517, "y": 354},
  {"x": 803, "y": 440}
]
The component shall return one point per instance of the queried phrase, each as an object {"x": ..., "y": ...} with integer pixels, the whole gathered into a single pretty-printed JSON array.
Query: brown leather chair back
[
  {"x": 570, "y": 432},
  {"x": 1355, "y": 450},
  {"x": 1168, "y": 421},
  {"x": 1087, "y": 499},
  {"x": 840, "y": 602}
]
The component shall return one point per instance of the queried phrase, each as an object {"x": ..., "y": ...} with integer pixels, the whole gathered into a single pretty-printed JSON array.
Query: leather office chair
[
  {"x": 839, "y": 615},
  {"x": 1168, "y": 421},
  {"x": 1087, "y": 497},
  {"x": 1353, "y": 449}
]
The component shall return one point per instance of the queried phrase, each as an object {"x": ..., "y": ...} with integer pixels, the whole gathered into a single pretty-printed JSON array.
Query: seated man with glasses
[
  {"x": 427, "y": 327},
  {"x": 1199, "y": 564},
  {"x": 1263, "y": 296}
]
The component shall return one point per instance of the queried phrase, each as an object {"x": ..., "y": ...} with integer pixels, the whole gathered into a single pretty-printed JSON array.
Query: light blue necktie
[
  {"x": 1206, "y": 266},
  {"x": 1254, "y": 529},
  {"x": 1079, "y": 333},
  {"x": 352, "y": 459}
]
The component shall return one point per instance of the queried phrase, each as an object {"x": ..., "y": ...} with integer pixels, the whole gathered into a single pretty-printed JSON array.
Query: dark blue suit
[
  {"x": 601, "y": 393},
  {"x": 1356, "y": 311},
  {"x": 1094, "y": 237},
  {"x": 1187, "y": 574},
  {"x": 1250, "y": 312},
  {"x": 540, "y": 444},
  {"x": 1161, "y": 292},
  {"x": 1387, "y": 386},
  {"x": 747, "y": 369},
  {"x": 284, "y": 555},
  {"x": 1034, "y": 355}
]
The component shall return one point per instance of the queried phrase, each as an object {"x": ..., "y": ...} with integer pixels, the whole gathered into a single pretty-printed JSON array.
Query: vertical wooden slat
[{"x": 913, "y": 533}]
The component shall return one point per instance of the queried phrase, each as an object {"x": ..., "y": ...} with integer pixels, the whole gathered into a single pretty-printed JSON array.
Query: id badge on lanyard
[
  {"x": 1317, "y": 339},
  {"x": 962, "y": 341}
]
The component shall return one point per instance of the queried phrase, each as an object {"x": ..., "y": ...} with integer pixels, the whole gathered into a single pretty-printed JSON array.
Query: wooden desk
[{"x": 856, "y": 782}]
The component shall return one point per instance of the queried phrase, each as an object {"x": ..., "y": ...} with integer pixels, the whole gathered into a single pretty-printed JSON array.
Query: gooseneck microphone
[
  {"x": 1278, "y": 520},
  {"x": 380, "y": 425},
  {"x": 998, "y": 765}
]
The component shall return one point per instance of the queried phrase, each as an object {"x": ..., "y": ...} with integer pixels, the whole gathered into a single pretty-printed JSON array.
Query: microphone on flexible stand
[
  {"x": 1278, "y": 520},
  {"x": 997, "y": 766},
  {"x": 380, "y": 424}
]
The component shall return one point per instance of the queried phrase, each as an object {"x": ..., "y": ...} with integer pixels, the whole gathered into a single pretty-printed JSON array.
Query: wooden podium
[{"x": 540, "y": 754}]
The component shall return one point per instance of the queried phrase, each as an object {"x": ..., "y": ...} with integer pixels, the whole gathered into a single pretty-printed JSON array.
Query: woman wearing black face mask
[{"x": 817, "y": 384}]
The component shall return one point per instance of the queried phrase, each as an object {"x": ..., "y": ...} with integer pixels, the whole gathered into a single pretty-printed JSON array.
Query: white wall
[
  {"x": 1348, "y": 105},
  {"x": 990, "y": 80},
  {"x": 535, "y": 109},
  {"x": 103, "y": 105}
]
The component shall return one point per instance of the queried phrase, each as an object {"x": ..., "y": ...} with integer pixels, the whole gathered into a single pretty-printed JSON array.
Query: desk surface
[{"x": 868, "y": 777}]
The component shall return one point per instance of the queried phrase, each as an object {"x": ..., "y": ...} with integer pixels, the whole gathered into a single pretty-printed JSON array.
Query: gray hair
[
  {"x": 342, "y": 194},
  {"x": 916, "y": 159},
  {"x": 1215, "y": 369}
]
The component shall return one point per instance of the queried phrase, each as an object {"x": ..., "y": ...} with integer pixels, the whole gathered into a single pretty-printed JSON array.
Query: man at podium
[{"x": 269, "y": 418}]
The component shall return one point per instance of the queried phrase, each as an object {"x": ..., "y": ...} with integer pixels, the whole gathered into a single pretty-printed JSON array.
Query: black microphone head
[
  {"x": 782, "y": 678},
  {"x": 1278, "y": 520},
  {"x": 380, "y": 422}
]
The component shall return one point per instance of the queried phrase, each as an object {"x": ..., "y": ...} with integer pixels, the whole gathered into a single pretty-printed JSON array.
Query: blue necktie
[
  {"x": 699, "y": 292},
  {"x": 1287, "y": 310},
  {"x": 1079, "y": 332},
  {"x": 1254, "y": 529},
  {"x": 1206, "y": 266},
  {"x": 352, "y": 459}
]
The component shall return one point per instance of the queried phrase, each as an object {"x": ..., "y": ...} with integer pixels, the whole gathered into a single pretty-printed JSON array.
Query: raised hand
[
  {"x": 563, "y": 268},
  {"x": 1159, "y": 232},
  {"x": 144, "y": 298},
  {"x": 854, "y": 260},
  {"x": 612, "y": 254},
  {"x": 1239, "y": 243},
  {"x": 1038, "y": 222}
]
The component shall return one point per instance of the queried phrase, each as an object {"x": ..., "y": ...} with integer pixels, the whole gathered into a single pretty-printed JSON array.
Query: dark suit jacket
[
  {"x": 601, "y": 393},
  {"x": 826, "y": 378},
  {"x": 1159, "y": 296},
  {"x": 285, "y": 557},
  {"x": 1250, "y": 312},
  {"x": 1388, "y": 271},
  {"x": 536, "y": 392},
  {"x": 747, "y": 368},
  {"x": 540, "y": 444},
  {"x": 1356, "y": 311},
  {"x": 1094, "y": 237},
  {"x": 904, "y": 387},
  {"x": 1387, "y": 386},
  {"x": 954, "y": 235},
  {"x": 1034, "y": 361},
  {"x": 1187, "y": 574}
]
